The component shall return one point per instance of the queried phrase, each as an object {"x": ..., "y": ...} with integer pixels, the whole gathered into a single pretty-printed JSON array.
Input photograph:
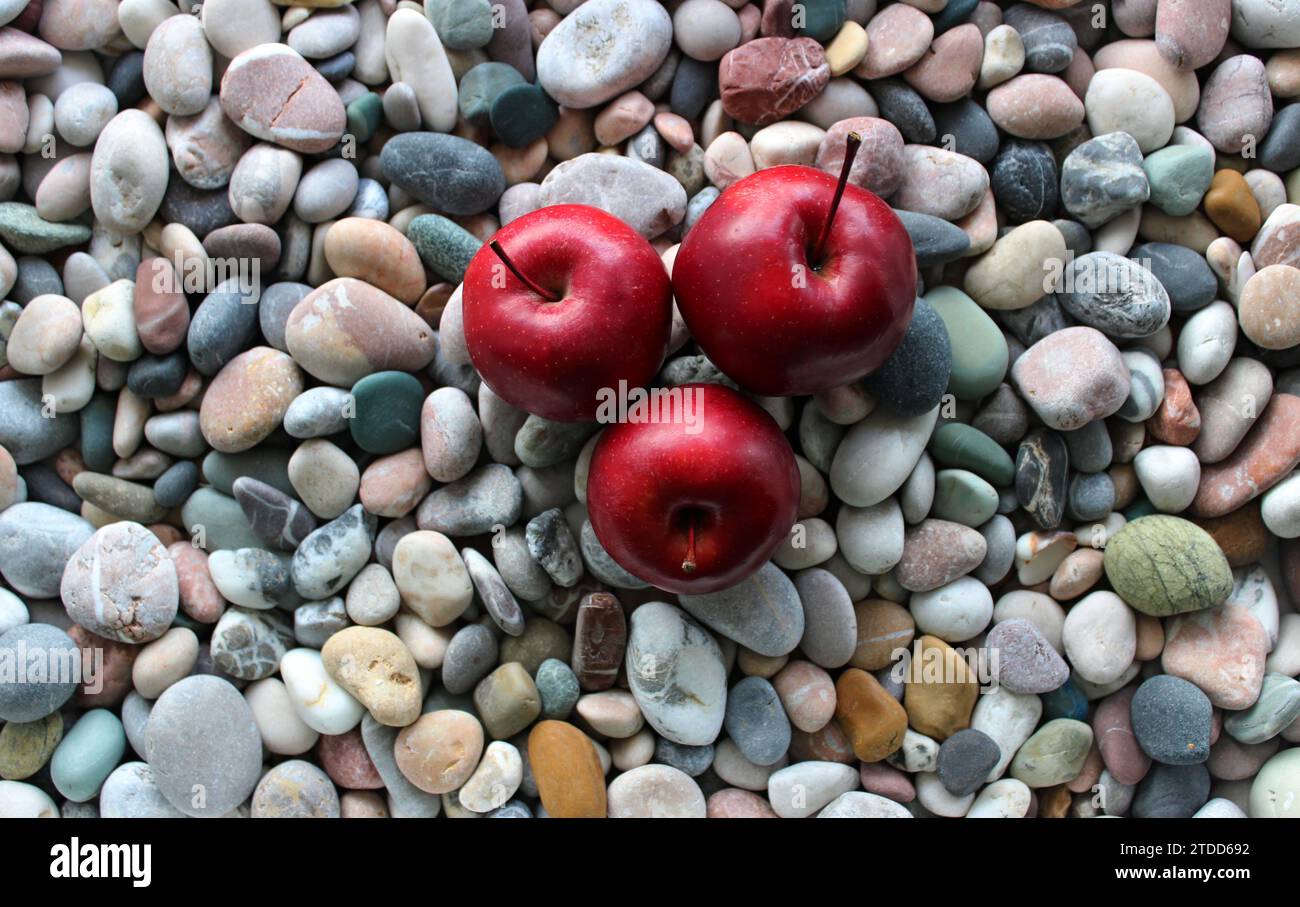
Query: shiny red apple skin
[
  {"x": 736, "y": 477},
  {"x": 736, "y": 274},
  {"x": 612, "y": 324}
]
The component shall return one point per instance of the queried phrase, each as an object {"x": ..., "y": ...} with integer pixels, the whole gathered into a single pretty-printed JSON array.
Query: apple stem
[
  {"x": 501, "y": 254},
  {"x": 688, "y": 565},
  {"x": 851, "y": 145}
]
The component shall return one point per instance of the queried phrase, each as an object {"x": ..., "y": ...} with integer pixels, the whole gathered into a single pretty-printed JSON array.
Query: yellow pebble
[{"x": 846, "y": 49}]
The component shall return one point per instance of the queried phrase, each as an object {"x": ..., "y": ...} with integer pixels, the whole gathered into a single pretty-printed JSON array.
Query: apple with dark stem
[
  {"x": 564, "y": 302},
  {"x": 699, "y": 499},
  {"x": 793, "y": 282}
]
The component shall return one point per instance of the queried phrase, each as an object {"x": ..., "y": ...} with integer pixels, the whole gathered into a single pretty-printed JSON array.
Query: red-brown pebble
[
  {"x": 768, "y": 79},
  {"x": 1265, "y": 457},
  {"x": 1177, "y": 421},
  {"x": 200, "y": 599},
  {"x": 346, "y": 761}
]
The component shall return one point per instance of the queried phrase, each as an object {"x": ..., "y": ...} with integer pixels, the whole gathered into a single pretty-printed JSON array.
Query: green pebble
[
  {"x": 97, "y": 432},
  {"x": 979, "y": 349},
  {"x": 558, "y": 687},
  {"x": 216, "y": 521},
  {"x": 480, "y": 87},
  {"x": 23, "y": 230},
  {"x": 461, "y": 24},
  {"x": 387, "y": 415},
  {"x": 266, "y": 464},
  {"x": 1278, "y": 705},
  {"x": 522, "y": 114},
  {"x": 364, "y": 116},
  {"x": 25, "y": 746},
  {"x": 963, "y": 497},
  {"x": 963, "y": 447},
  {"x": 1054, "y": 754},
  {"x": 822, "y": 19},
  {"x": 1179, "y": 175},
  {"x": 1163, "y": 565},
  {"x": 444, "y": 246},
  {"x": 1139, "y": 508},
  {"x": 87, "y": 755}
]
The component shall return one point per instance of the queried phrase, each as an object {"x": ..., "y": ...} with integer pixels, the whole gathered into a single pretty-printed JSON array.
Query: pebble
[
  {"x": 676, "y": 673},
  {"x": 1071, "y": 378},
  {"x": 1163, "y": 565},
  {"x": 438, "y": 751},
  {"x": 202, "y": 732}
]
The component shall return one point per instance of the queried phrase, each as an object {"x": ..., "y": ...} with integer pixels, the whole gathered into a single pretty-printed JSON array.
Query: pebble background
[{"x": 331, "y": 574}]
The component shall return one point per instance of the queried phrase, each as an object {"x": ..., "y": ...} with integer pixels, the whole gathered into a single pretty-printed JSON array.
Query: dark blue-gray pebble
[
  {"x": 1280, "y": 150},
  {"x": 277, "y": 303},
  {"x": 913, "y": 380},
  {"x": 1024, "y": 180},
  {"x": 694, "y": 85},
  {"x": 1171, "y": 720},
  {"x": 1092, "y": 495},
  {"x": 157, "y": 376},
  {"x": 972, "y": 129},
  {"x": 448, "y": 172},
  {"x": 934, "y": 240},
  {"x": 965, "y": 760},
  {"x": 1090, "y": 447},
  {"x": 693, "y": 760},
  {"x": 1049, "y": 41},
  {"x": 35, "y": 277},
  {"x": 221, "y": 328},
  {"x": 126, "y": 79},
  {"x": 1172, "y": 792},
  {"x": 45, "y": 487},
  {"x": 173, "y": 487},
  {"x": 1185, "y": 275},
  {"x": 954, "y": 14},
  {"x": 756, "y": 721},
  {"x": 202, "y": 210},
  {"x": 906, "y": 109},
  {"x": 338, "y": 67}
]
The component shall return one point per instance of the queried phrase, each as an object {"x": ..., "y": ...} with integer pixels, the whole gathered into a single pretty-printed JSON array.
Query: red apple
[
  {"x": 779, "y": 315},
  {"x": 698, "y": 500},
  {"x": 564, "y": 302}
]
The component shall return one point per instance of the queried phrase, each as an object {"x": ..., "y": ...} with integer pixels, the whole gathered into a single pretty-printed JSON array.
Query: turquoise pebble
[
  {"x": 444, "y": 246},
  {"x": 963, "y": 447},
  {"x": 1066, "y": 701},
  {"x": 480, "y": 87},
  {"x": 1180, "y": 176},
  {"x": 87, "y": 755},
  {"x": 461, "y": 24},
  {"x": 1139, "y": 508},
  {"x": 216, "y": 521},
  {"x": 387, "y": 417},
  {"x": 522, "y": 114},
  {"x": 266, "y": 464},
  {"x": 364, "y": 116},
  {"x": 822, "y": 19},
  {"x": 97, "y": 432},
  {"x": 962, "y": 497},
  {"x": 979, "y": 349},
  {"x": 954, "y": 14}
]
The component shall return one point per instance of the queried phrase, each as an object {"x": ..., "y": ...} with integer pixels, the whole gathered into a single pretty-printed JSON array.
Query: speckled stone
[{"x": 1162, "y": 565}]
